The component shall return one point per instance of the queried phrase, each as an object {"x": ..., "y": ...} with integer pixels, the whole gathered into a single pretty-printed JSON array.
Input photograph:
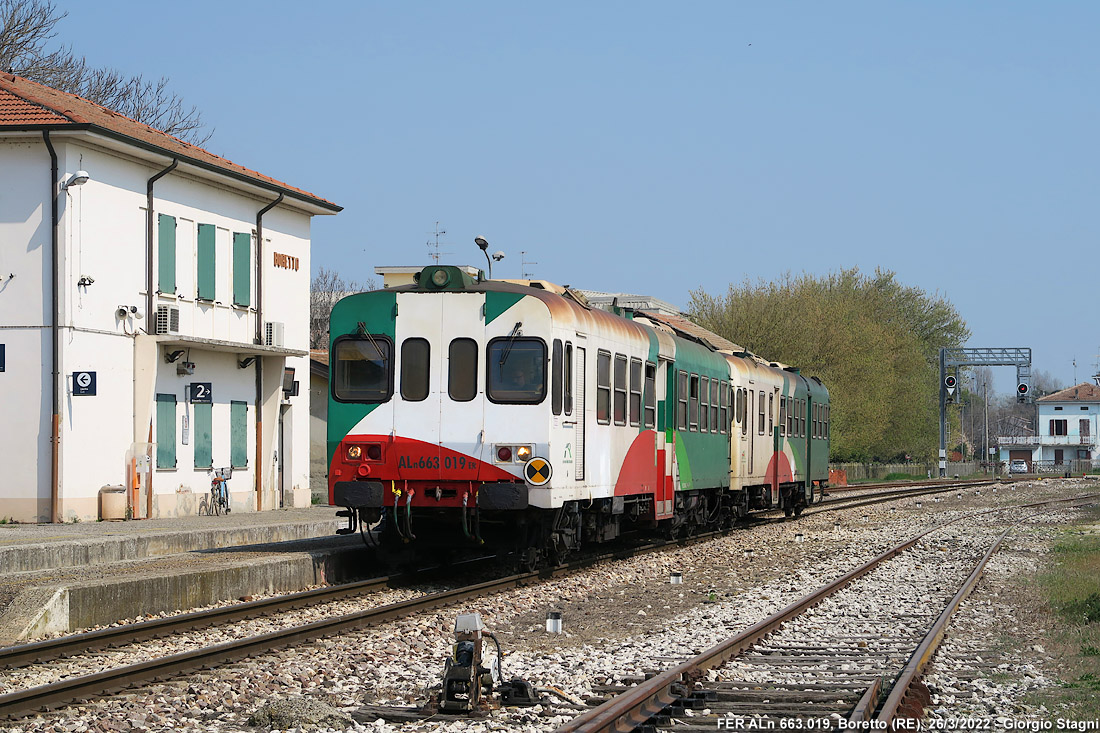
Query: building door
[{"x": 1057, "y": 455}]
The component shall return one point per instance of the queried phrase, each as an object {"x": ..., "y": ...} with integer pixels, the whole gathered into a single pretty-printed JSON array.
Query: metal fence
[{"x": 879, "y": 471}]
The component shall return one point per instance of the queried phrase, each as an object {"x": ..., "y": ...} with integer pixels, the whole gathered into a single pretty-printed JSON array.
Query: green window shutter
[
  {"x": 242, "y": 268},
  {"x": 206, "y": 262},
  {"x": 166, "y": 431},
  {"x": 204, "y": 439},
  {"x": 166, "y": 254},
  {"x": 238, "y": 434}
]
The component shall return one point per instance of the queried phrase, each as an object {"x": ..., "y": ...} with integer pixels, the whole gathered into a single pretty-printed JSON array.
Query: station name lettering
[{"x": 286, "y": 261}]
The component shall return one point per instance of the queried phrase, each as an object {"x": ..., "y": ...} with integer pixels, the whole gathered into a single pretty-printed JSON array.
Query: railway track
[
  {"x": 826, "y": 656},
  {"x": 111, "y": 680}
]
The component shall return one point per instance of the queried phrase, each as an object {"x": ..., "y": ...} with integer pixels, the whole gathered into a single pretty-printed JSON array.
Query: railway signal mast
[{"x": 952, "y": 359}]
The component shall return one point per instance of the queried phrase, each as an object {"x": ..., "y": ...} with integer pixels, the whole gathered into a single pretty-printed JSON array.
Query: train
[{"x": 514, "y": 413}]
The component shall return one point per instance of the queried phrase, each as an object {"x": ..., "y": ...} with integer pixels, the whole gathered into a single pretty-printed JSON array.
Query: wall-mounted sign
[
  {"x": 287, "y": 262},
  {"x": 200, "y": 392},
  {"x": 83, "y": 383},
  {"x": 1, "y": 357}
]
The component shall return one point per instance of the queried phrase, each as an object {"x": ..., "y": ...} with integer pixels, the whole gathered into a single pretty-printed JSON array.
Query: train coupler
[{"x": 351, "y": 515}]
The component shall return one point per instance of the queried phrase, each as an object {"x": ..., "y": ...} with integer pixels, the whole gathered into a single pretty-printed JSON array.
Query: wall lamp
[
  {"x": 77, "y": 179},
  {"x": 245, "y": 363},
  {"x": 170, "y": 357}
]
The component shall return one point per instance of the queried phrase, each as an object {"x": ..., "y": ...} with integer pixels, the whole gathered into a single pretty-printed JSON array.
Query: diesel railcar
[{"x": 466, "y": 409}]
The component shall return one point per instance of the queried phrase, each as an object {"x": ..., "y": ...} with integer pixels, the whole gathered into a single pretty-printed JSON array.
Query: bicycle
[{"x": 219, "y": 491}]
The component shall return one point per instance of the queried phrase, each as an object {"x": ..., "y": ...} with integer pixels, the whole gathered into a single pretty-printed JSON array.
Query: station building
[{"x": 154, "y": 318}]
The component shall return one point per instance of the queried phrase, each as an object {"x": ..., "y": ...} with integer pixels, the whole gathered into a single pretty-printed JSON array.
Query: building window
[
  {"x": 1084, "y": 454},
  {"x": 556, "y": 375},
  {"x": 1085, "y": 428},
  {"x": 166, "y": 431},
  {"x": 206, "y": 262},
  {"x": 363, "y": 369},
  {"x": 1057, "y": 427},
  {"x": 649, "y": 416},
  {"x": 635, "y": 391},
  {"x": 1058, "y": 409},
  {"x": 462, "y": 370},
  {"x": 242, "y": 269},
  {"x": 603, "y": 387},
  {"x": 620, "y": 389},
  {"x": 166, "y": 253},
  {"x": 238, "y": 434},
  {"x": 516, "y": 370},
  {"x": 204, "y": 435}
]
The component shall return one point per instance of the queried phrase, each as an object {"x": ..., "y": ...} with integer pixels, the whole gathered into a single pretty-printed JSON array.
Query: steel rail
[
  {"x": 622, "y": 714},
  {"x": 46, "y": 650},
  {"x": 43, "y": 696}
]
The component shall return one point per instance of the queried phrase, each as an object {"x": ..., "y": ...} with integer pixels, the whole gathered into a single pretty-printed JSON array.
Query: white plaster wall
[
  {"x": 318, "y": 437},
  {"x": 25, "y": 392},
  {"x": 102, "y": 235}
]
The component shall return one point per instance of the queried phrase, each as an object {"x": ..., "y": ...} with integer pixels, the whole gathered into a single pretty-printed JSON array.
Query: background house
[
  {"x": 1067, "y": 433},
  {"x": 154, "y": 305}
]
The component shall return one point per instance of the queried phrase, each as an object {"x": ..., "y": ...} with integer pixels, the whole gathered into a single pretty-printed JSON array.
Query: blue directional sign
[{"x": 83, "y": 383}]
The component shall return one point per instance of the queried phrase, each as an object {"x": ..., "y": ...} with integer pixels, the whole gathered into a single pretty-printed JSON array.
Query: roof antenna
[
  {"x": 433, "y": 247},
  {"x": 524, "y": 262}
]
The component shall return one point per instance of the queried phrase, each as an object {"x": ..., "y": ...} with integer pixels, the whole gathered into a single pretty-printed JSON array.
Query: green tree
[{"x": 874, "y": 342}]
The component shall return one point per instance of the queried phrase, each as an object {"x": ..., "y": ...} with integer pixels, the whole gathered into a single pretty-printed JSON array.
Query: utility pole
[{"x": 985, "y": 393}]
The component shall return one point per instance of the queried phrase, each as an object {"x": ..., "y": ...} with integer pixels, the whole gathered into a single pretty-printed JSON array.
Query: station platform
[{"x": 64, "y": 577}]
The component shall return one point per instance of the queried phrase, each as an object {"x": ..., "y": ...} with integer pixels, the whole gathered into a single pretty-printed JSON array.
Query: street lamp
[{"x": 484, "y": 244}]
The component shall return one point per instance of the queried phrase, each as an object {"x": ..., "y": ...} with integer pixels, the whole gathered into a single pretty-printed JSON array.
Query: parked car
[{"x": 1017, "y": 466}]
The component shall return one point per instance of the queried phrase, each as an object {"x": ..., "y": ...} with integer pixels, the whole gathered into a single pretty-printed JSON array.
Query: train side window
[
  {"x": 649, "y": 415},
  {"x": 782, "y": 415},
  {"x": 802, "y": 418},
  {"x": 693, "y": 403},
  {"x": 516, "y": 370},
  {"x": 462, "y": 370},
  {"x": 415, "y": 355},
  {"x": 567, "y": 369},
  {"x": 704, "y": 406},
  {"x": 682, "y": 401},
  {"x": 828, "y": 415},
  {"x": 760, "y": 414},
  {"x": 724, "y": 412},
  {"x": 362, "y": 369},
  {"x": 603, "y": 387},
  {"x": 620, "y": 389},
  {"x": 556, "y": 377},
  {"x": 771, "y": 413},
  {"x": 742, "y": 417},
  {"x": 790, "y": 417},
  {"x": 714, "y": 405},
  {"x": 635, "y": 391}
]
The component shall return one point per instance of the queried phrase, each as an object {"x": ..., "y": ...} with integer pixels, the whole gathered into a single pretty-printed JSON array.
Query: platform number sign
[
  {"x": 83, "y": 383},
  {"x": 200, "y": 392}
]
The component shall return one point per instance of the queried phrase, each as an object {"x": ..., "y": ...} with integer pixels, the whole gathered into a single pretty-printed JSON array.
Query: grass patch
[
  {"x": 905, "y": 477},
  {"x": 1071, "y": 586}
]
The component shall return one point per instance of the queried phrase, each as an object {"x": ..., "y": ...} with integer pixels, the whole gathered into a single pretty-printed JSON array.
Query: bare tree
[
  {"x": 27, "y": 31},
  {"x": 326, "y": 288}
]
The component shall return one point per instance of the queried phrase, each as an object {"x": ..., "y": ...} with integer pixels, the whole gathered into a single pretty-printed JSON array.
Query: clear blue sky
[{"x": 662, "y": 147}]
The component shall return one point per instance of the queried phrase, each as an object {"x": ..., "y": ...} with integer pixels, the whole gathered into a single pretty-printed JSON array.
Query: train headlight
[
  {"x": 523, "y": 452},
  {"x": 504, "y": 454},
  {"x": 440, "y": 278},
  {"x": 354, "y": 452}
]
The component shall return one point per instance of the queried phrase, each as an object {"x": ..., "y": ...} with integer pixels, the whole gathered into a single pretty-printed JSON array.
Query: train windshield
[
  {"x": 362, "y": 369},
  {"x": 517, "y": 370}
]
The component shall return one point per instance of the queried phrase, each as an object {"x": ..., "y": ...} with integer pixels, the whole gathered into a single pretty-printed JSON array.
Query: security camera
[{"x": 498, "y": 256}]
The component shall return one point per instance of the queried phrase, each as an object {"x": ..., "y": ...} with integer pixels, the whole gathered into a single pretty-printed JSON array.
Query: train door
[
  {"x": 750, "y": 418},
  {"x": 416, "y": 385},
  {"x": 578, "y": 413},
  {"x": 460, "y": 388}
]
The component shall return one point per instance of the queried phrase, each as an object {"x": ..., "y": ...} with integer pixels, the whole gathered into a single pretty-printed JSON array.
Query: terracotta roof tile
[
  {"x": 24, "y": 102},
  {"x": 1083, "y": 392}
]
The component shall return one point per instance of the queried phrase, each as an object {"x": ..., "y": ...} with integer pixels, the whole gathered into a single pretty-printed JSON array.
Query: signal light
[
  {"x": 1022, "y": 390},
  {"x": 950, "y": 381}
]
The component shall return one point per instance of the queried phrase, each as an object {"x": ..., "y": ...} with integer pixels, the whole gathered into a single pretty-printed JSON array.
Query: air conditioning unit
[
  {"x": 168, "y": 319},
  {"x": 273, "y": 333}
]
